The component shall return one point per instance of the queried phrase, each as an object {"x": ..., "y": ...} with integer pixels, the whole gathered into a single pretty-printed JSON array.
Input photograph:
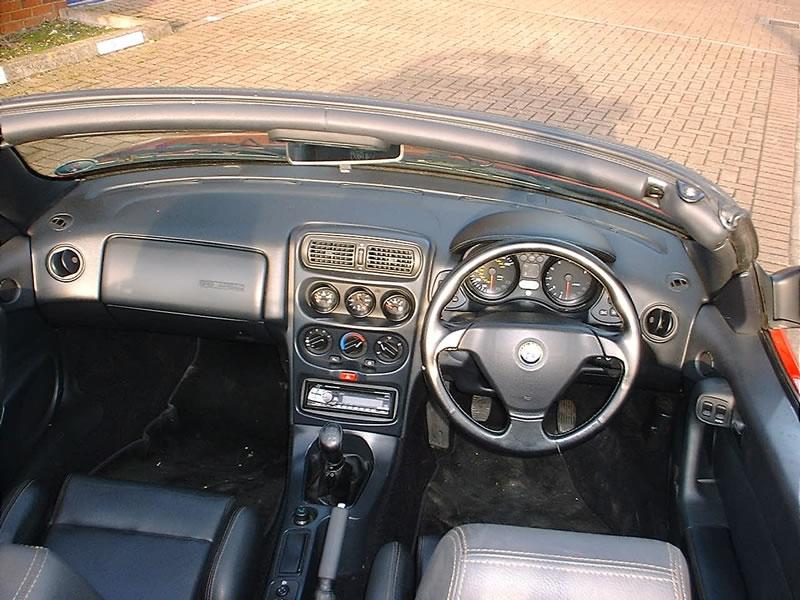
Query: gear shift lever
[
  {"x": 333, "y": 477},
  {"x": 330, "y": 444}
]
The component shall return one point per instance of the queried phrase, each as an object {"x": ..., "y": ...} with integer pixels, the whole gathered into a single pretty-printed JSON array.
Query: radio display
[{"x": 364, "y": 401}]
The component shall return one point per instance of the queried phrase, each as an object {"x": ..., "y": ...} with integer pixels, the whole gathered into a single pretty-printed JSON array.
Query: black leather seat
[
  {"x": 131, "y": 541},
  {"x": 476, "y": 562}
]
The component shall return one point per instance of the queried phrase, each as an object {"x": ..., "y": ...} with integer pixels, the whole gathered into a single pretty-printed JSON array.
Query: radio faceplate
[{"x": 358, "y": 401}]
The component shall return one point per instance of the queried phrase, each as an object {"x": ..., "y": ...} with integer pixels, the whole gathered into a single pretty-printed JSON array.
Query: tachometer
[
  {"x": 567, "y": 284},
  {"x": 494, "y": 280}
]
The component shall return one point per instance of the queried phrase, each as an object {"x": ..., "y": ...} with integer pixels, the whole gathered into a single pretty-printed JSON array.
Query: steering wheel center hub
[{"x": 530, "y": 354}]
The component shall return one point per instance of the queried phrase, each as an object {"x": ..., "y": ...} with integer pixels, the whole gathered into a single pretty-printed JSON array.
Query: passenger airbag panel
[{"x": 184, "y": 278}]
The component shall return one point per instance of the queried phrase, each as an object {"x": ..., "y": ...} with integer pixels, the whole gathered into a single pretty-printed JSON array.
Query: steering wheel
[{"x": 530, "y": 361}]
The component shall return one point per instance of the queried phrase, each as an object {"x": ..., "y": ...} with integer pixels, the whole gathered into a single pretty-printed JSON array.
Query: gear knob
[{"x": 330, "y": 444}]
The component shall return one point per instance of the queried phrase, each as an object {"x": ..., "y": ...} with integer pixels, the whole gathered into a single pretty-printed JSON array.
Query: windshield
[
  {"x": 713, "y": 86},
  {"x": 96, "y": 154}
]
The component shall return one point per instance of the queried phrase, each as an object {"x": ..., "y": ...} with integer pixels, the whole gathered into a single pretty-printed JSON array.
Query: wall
[{"x": 19, "y": 14}]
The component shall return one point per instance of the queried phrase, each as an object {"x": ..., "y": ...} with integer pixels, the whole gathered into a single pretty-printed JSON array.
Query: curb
[{"x": 132, "y": 32}]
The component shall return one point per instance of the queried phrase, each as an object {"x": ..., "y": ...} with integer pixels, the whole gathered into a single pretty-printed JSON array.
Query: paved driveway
[{"x": 713, "y": 85}]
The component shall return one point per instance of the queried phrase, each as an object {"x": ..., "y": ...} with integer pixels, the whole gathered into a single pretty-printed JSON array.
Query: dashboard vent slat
[
  {"x": 388, "y": 259},
  {"x": 331, "y": 254}
]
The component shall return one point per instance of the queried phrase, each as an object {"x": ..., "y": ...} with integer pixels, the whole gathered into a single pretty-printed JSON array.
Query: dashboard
[{"x": 336, "y": 269}]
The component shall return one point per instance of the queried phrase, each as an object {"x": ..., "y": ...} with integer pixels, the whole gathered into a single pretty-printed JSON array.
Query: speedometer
[
  {"x": 494, "y": 280},
  {"x": 567, "y": 284}
]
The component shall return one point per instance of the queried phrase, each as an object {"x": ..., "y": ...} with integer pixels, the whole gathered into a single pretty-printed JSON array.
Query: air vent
[
  {"x": 392, "y": 260},
  {"x": 334, "y": 252},
  {"x": 64, "y": 263},
  {"x": 660, "y": 323},
  {"x": 331, "y": 253},
  {"x": 60, "y": 222}
]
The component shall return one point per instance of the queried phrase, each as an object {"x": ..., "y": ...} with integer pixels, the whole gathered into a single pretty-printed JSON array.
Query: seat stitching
[
  {"x": 41, "y": 568},
  {"x": 537, "y": 565},
  {"x": 679, "y": 571},
  {"x": 462, "y": 536},
  {"x": 13, "y": 500},
  {"x": 453, "y": 570},
  {"x": 394, "y": 572},
  {"x": 672, "y": 573},
  {"x": 574, "y": 561},
  {"x": 28, "y": 572},
  {"x": 567, "y": 557},
  {"x": 218, "y": 559}
]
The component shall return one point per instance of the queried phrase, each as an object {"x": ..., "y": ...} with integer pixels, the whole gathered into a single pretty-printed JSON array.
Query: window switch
[{"x": 707, "y": 409}]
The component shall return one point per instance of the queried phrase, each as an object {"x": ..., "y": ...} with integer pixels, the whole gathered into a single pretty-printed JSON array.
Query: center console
[
  {"x": 356, "y": 296},
  {"x": 355, "y": 307}
]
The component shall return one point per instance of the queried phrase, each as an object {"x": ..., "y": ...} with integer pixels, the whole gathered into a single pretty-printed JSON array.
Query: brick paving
[{"x": 713, "y": 85}]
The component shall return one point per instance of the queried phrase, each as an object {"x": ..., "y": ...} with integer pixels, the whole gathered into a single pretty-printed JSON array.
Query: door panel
[{"x": 755, "y": 468}]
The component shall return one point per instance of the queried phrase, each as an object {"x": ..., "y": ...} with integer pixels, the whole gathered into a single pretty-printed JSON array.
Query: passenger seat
[{"x": 125, "y": 541}]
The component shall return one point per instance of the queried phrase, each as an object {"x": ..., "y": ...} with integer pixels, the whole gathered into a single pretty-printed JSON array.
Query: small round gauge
[
  {"x": 567, "y": 284},
  {"x": 359, "y": 302},
  {"x": 396, "y": 306},
  {"x": 494, "y": 280},
  {"x": 324, "y": 298}
]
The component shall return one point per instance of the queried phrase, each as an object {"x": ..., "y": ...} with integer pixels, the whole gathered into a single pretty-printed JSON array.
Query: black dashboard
[{"x": 337, "y": 269}]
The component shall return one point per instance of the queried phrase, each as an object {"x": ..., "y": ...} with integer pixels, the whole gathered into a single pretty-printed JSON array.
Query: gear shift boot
[{"x": 336, "y": 469}]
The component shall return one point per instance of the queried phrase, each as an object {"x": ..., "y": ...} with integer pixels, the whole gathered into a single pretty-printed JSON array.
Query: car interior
[{"x": 555, "y": 371}]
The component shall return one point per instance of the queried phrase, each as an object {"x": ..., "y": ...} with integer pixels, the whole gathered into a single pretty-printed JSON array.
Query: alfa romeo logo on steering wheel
[{"x": 530, "y": 353}]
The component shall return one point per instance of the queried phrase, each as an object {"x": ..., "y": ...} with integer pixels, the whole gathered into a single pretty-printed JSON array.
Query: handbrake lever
[{"x": 331, "y": 552}]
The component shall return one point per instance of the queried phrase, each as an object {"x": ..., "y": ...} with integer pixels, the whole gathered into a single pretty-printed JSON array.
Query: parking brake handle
[{"x": 331, "y": 552}]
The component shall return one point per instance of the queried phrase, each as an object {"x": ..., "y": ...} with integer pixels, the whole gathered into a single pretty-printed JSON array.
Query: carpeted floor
[
  {"x": 225, "y": 430},
  {"x": 614, "y": 483}
]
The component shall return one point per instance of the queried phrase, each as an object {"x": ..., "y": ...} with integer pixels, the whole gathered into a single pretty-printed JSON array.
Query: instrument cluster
[{"x": 534, "y": 276}]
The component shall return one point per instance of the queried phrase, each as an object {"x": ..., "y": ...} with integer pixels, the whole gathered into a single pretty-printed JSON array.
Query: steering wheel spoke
[{"x": 526, "y": 436}]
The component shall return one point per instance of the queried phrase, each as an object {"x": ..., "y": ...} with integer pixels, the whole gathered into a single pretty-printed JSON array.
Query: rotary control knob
[
  {"x": 390, "y": 348},
  {"x": 323, "y": 298},
  {"x": 360, "y": 302},
  {"x": 317, "y": 340},
  {"x": 396, "y": 306},
  {"x": 353, "y": 345}
]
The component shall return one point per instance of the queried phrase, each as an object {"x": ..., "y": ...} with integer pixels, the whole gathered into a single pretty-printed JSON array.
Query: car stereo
[{"x": 364, "y": 401}]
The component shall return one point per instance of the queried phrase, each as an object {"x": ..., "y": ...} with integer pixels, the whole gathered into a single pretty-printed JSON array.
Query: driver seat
[{"x": 481, "y": 562}]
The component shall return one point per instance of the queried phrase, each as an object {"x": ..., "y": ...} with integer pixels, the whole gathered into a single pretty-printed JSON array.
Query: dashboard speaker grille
[
  {"x": 331, "y": 253},
  {"x": 392, "y": 260}
]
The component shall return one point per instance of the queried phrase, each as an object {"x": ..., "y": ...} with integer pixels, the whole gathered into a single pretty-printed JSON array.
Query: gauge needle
[
  {"x": 567, "y": 288},
  {"x": 491, "y": 281}
]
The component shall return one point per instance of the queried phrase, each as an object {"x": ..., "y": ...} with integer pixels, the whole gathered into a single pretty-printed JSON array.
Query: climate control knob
[
  {"x": 353, "y": 345},
  {"x": 317, "y": 340},
  {"x": 323, "y": 298},
  {"x": 390, "y": 348}
]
